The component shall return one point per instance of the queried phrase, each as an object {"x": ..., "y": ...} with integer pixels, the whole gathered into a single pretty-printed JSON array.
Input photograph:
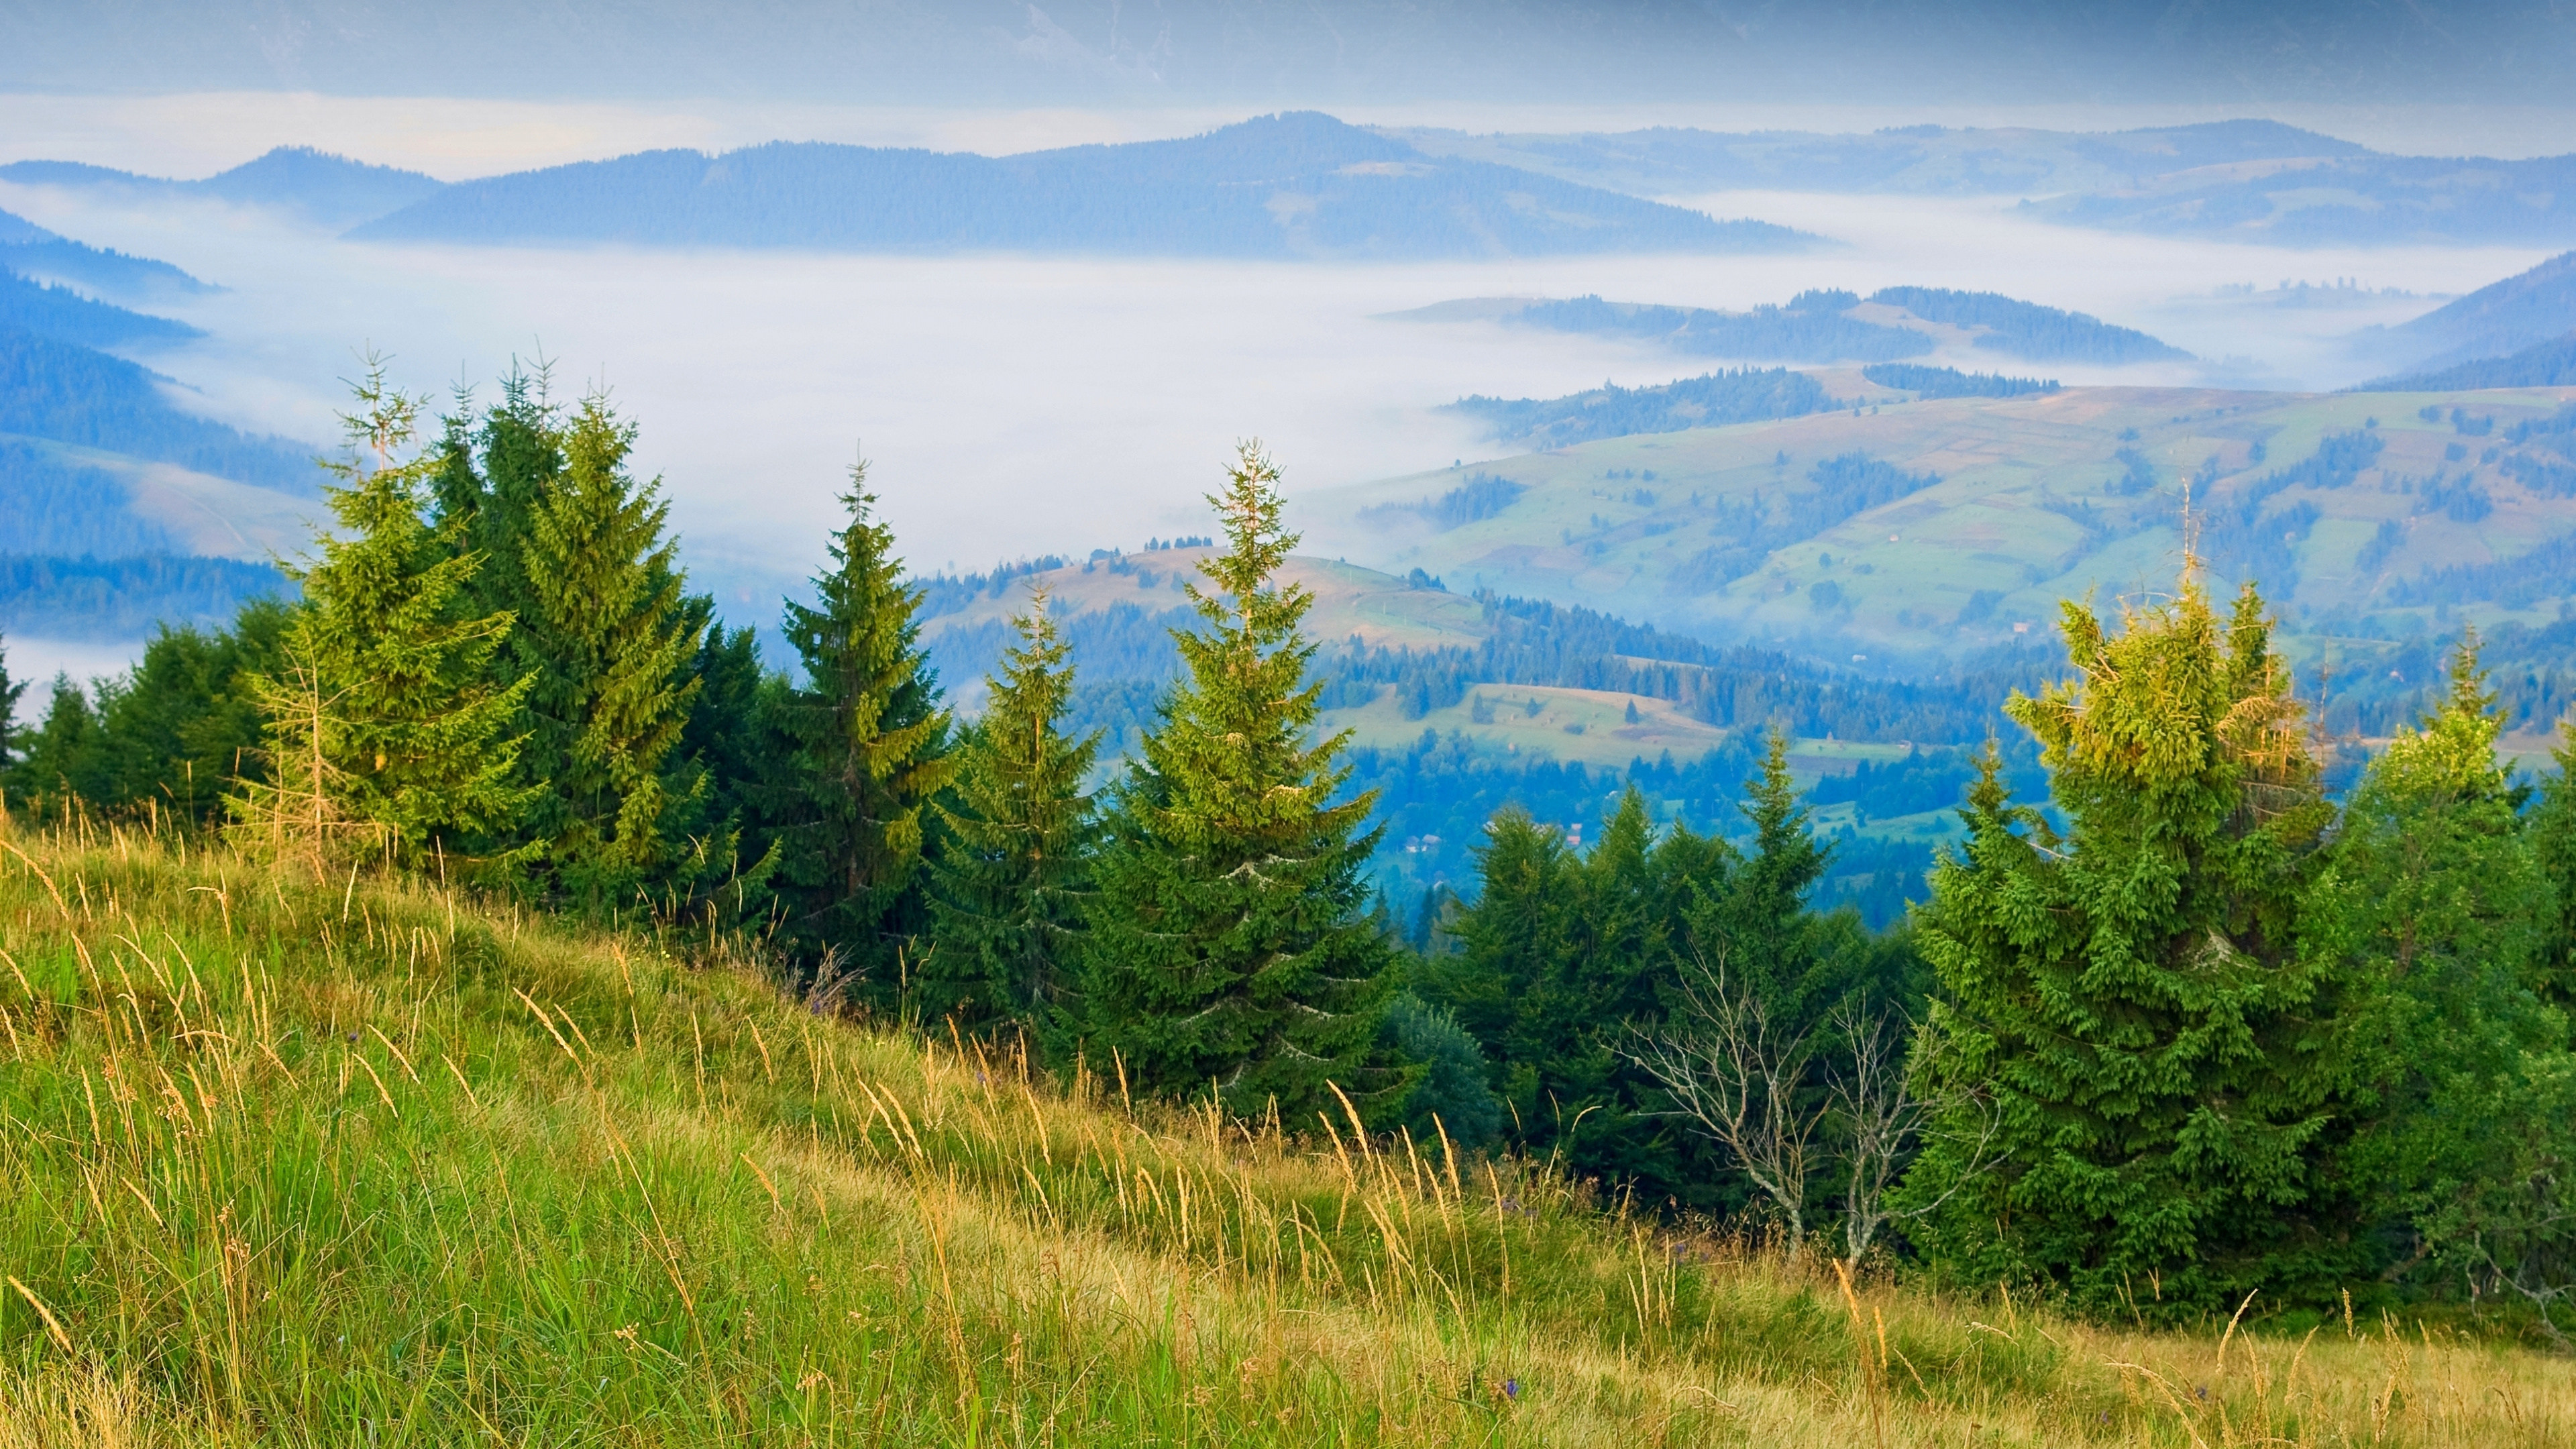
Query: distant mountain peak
[
  {"x": 1296, "y": 184},
  {"x": 323, "y": 186}
]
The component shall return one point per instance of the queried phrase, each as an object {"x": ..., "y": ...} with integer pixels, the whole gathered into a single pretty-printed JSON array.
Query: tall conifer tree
[
  {"x": 65, "y": 754},
  {"x": 863, "y": 747},
  {"x": 389, "y": 702},
  {"x": 2434, "y": 909},
  {"x": 1231, "y": 944},
  {"x": 1753, "y": 924},
  {"x": 1014, "y": 867},
  {"x": 2552, "y": 828},
  {"x": 2130, "y": 995},
  {"x": 606, "y": 614},
  {"x": 9, "y": 694},
  {"x": 578, "y": 552}
]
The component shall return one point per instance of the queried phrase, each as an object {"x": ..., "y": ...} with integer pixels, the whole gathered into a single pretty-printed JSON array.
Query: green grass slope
[
  {"x": 2040, "y": 498},
  {"x": 354, "y": 1162}
]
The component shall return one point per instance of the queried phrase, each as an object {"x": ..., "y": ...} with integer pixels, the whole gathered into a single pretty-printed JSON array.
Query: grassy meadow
[{"x": 359, "y": 1161}]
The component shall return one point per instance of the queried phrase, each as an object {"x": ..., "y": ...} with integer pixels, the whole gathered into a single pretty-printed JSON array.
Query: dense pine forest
[{"x": 2178, "y": 1031}]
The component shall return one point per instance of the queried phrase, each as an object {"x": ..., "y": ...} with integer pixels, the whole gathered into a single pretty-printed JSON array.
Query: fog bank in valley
[{"x": 1016, "y": 406}]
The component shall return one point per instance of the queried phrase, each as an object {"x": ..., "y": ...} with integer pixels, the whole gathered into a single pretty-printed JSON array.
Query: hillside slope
[
  {"x": 1926, "y": 530},
  {"x": 349, "y": 1162}
]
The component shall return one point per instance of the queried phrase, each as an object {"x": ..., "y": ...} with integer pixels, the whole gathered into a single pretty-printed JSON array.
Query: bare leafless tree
[
  {"x": 1886, "y": 1118},
  {"x": 1738, "y": 1077}
]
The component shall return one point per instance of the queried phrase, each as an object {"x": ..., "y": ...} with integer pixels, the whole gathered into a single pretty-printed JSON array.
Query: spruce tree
[
  {"x": 64, "y": 757},
  {"x": 1013, "y": 869},
  {"x": 723, "y": 745},
  {"x": 606, "y": 616},
  {"x": 9, "y": 695},
  {"x": 2434, "y": 908},
  {"x": 1587, "y": 1099},
  {"x": 1231, "y": 945},
  {"x": 386, "y": 696},
  {"x": 862, "y": 746},
  {"x": 2129, "y": 997},
  {"x": 184, "y": 721},
  {"x": 606, "y": 642},
  {"x": 1751, "y": 921},
  {"x": 2552, "y": 828}
]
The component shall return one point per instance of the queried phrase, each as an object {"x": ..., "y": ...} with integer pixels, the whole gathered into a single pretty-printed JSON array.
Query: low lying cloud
[{"x": 1017, "y": 406}]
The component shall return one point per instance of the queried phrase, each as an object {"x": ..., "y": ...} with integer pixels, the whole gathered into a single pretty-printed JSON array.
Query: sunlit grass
[{"x": 287, "y": 1161}]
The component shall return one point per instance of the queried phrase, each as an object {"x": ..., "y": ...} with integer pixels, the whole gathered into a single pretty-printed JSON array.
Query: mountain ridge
[
  {"x": 325, "y": 188},
  {"x": 1293, "y": 185}
]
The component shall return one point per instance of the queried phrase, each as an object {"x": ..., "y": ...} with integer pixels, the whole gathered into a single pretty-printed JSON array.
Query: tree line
[{"x": 2187, "y": 1029}]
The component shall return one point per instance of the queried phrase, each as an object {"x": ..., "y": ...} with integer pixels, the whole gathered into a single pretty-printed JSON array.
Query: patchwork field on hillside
[{"x": 1978, "y": 515}]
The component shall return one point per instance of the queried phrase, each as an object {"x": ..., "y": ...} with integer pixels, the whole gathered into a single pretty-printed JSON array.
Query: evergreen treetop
[
  {"x": 2131, "y": 992},
  {"x": 391, "y": 706},
  {"x": 605, "y": 610},
  {"x": 1013, "y": 874},
  {"x": 1231, "y": 945},
  {"x": 863, "y": 748},
  {"x": 9, "y": 693}
]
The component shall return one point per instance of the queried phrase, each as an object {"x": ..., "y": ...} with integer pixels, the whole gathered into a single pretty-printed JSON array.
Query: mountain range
[
  {"x": 323, "y": 188},
  {"x": 2247, "y": 180},
  {"x": 1292, "y": 186},
  {"x": 1302, "y": 184},
  {"x": 1288, "y": 186}
]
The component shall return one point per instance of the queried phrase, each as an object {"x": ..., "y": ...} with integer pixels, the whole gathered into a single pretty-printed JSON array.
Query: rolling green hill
[
  {"x": 1767, "y": 532},
  {"x": 299, "y": 1162}
]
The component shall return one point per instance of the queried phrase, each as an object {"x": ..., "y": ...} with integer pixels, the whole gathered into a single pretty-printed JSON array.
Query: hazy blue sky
[{"x": 1263, "y": 53}]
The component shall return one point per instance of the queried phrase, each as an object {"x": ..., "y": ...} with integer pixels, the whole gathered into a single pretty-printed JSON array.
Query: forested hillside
[
  {"x": 106, "y": 482},
  {"x": 1832, "y": 326},
  {"x": 2519, "y": 312},
  {"x": 31, "y": 252}
]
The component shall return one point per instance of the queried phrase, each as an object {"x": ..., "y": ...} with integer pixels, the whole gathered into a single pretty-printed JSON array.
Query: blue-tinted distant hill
[
  {"x": 1298, "y": 185},
  {"x": 2367, "y": 199},
  {"x": 1611, "y": 411},
  {"x": 2029, "y": 330},
  {"x": 1921, "y": 160},
  {"x": 2246, "y": 180},
  {"x": 2543, "y": 364},
  {"x": 55, "y": 311},
  {"x": 2501, "y": 318},
  {"x": 31, "y": 251},
  {"x": 124, "y": 598},
  {"x": 61, "y": 392},
  {"x": 324, "y": 188},
  {"x": 1818, "y": 326}
]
